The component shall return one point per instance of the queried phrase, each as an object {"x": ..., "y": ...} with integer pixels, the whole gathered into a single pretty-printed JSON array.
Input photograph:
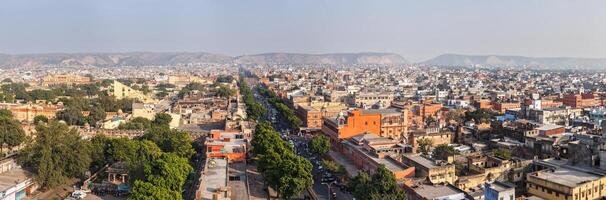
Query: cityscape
[{"x": 160, "y": 120}]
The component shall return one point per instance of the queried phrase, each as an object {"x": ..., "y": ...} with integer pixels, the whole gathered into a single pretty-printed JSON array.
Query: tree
[
  {"x": 40, "y": 119},
  {"x": 382, "y": 185},
  {"x": 319, "y": 144},
  {"x": 224, "y": 79},
  {"x": 71, "y": 116},
  {"x": 137, "y": 123},
  {"x": 225, "y": 92},
  {"x": 443, "y": 151},
  {"x": 480, "y": 115},
  {"x": 6, "y": 113},
  {"x": 456, "y": 115},
  {"x": 502, "y": 153},
  {"x": 424, "y": 145},
  {"x": 171, "y": 140},
  {"x": 97, "y": 114},
  {"x": 147, "y": 191},
  {"x": 56, "y": 154},
  {"x": 11, "y": 133},
  {"x": 333, "y": 167},
  {"x": 169, "y": 171},
  {"x": 162, "y": 119}
]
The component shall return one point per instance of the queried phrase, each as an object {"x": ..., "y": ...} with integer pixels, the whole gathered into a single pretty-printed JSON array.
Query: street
[{"x": 281, "y": 125}]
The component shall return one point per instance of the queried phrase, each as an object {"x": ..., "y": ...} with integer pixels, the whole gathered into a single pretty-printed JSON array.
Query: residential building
[{"x": 437, "y": 171}]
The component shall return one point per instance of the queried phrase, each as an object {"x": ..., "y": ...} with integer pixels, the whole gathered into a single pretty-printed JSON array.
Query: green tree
[
  {"x": 333, "y": 167},
  {"x": 169, "y": 171},
  {"x": 40, "y": 119},
  {"x": 97, "y": 114},
  {"x": 225, "y": 92},
  {"x": 71, "y": 116},
  {"x": 319, "y": 144},
  {"x": 424, "y": 145},
  {"x": 162, "y": 119},
  {"x": 137, "y": 123},
  {"x": 6, "y": 113},
  {"x": 147, "y": 191},
  {"x": 56, "y": 154},
  {"x": 443, "y": 151},
  {"x": 11, "y": 133},
  {"x": 480, "y": 115},
  {"x": 382, "y": 185},
  {"x": 171, "y": 140},
  {"x": 502, "y": 153}
]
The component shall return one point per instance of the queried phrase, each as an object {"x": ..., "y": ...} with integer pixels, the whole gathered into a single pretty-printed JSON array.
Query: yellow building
[
  {"x": 122, "y": 91},
  {"x": 438, "y": 171},
  {"x": 65, "y": 79},
  {"x": 566, "y": 184},
  {"x": 143, "y": 110}
]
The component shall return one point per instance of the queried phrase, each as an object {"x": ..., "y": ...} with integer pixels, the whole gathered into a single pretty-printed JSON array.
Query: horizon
[{"x": 417, "y": 31}]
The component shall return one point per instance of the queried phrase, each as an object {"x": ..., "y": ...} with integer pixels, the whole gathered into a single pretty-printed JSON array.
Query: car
[{"x": 319, "y": 167}]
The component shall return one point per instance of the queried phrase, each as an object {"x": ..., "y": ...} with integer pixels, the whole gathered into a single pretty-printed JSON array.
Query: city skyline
[{"x": 416, "y": 30}]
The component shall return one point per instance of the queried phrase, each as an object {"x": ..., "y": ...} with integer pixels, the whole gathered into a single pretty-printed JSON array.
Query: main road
[{"x": 281, "y": 125}]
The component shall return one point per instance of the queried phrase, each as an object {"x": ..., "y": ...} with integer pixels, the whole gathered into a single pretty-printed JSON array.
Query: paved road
[{"x": 282, "y": 126}]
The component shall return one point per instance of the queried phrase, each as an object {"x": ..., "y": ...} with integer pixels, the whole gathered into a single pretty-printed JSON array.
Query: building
[
  {"x": 550, "y": 129},
  {"x": 556, "y": 115},
  {"x": 379, "y": 99},
  {"x": 437, "y": 136},
  {"x": 394, "y": 122},
  {"x": 368, "y": 151},
  {"x": 580, "y": 100},
  {"x": 15, "y": 183},
  {"x": 27, "y": 112},
  {"x": 437, "y": 171},
  {"x": 566, "y": 184},
  {"x": 65, "y": 79},
  {"x": 499, "y": 191},
  {"x": 418, "y": 190},
  {"x": 312, "y": 114},
  {"x": 352, "y": 124},
  {"x": 146, "y": 111},
  {"x": 226, "y": 144},
  {"x": 121, "y": 91},
  {"x": 501, "y": 107}
]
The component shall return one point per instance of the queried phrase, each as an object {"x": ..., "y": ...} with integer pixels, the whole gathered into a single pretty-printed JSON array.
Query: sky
[{"x": 417, "y": 30}]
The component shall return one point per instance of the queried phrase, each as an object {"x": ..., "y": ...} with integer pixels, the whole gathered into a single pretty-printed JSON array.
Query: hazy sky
[{"x": 417, "y": 30}]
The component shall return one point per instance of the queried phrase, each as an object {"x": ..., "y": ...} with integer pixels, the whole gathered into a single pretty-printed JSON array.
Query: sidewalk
[{"x": 351, "y": 169}]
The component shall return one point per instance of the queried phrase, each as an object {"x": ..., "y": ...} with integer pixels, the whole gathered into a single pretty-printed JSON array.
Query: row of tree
[
  {"x": 158, "y": 162},
  {"x": 381, "y": 185},
  {"x": 284, "y": 110},
  {"x": 283, "y": 170},
  {"x": 254, "y": 109},
  {"x": 14, "y": 91}
]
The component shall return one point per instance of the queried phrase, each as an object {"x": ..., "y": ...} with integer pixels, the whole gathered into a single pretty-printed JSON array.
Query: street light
[{"x": 334, "y": 195}]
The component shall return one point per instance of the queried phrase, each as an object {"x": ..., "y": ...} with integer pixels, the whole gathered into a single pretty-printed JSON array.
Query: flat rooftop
[
  {"x": 567, "y": 177},
  {"x": 215, "y": 177},
  {"x": 425, "y": 162},
  {"x": 13, "y": 177},
  {"x": 390, "y": 164},
  {"x": 436, "y": 191}
]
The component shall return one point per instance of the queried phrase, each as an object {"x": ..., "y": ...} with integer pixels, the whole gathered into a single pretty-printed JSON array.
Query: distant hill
[
  {"x": 340, "y": 58},
  {"x": 149, "y": 58},
  {"x": 518, "y": 61},
  {"x": 111, "y": 59}
]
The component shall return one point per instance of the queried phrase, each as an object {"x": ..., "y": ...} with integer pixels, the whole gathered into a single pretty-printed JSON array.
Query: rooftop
[
  {"x": 567, "y": 177},
  {"x": 13, "y": 177},
  {"x": 215, "y": 177},
  {"x": 436, "y": 191},
  {"x": 385, "y": 111}
]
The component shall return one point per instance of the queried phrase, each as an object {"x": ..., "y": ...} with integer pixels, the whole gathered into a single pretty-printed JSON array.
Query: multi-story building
[
  {"x": 27, "y": 112},
  {"x": 368, "y": 151},
  {"x": 566, "y": 184},
  {"x": 227, "y": 144},
  {"x": 352, "y": 124},
  {"x": 312, "y": 114},
  {"x": 394, "y": 122},
  {"x": 499, "y": 191},
  {"x": 15, "y": 182},
  {"x": 580, "y": 100},
  {"x": 65, "y": 79},
  {"x": 379, "y": 99},
  {"x": 438, "y": 171},
  {"x": 501, "y": 107},
  {"x": 556, "y": 115},
  {"x": 436, "y": 135}
]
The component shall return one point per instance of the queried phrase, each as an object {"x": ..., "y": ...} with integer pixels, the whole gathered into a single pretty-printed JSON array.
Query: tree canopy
[
  {"x": 382, "y": 185},
  {"x": 319, "y": 144}
]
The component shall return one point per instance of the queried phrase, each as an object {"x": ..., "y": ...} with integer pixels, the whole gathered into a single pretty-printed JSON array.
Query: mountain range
[
  {"x": 172, "y": 58},
  {"x": 556, "y": 63},
  {"x": 149, "y": 58}
]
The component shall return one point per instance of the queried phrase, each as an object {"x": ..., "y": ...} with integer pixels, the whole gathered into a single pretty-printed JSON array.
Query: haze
[{"x": 417, "y": 30}]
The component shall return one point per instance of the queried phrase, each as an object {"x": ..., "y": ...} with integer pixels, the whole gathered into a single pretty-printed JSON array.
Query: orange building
[
  {"x": 503, "y": 106},
  {"x": 580, "y": 100},
  {"x": 355, "y": 123},
  {"x": 65, "y": 79},
  {"x": 226, "y": 144},
  {"x": 27, "y": 112},
  {"x": 483, "y": 104},
  {"x": 417, "y": 114}
]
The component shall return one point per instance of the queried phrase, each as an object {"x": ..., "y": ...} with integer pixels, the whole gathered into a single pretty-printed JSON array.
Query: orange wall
[{"x": 358, "y": 123}]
